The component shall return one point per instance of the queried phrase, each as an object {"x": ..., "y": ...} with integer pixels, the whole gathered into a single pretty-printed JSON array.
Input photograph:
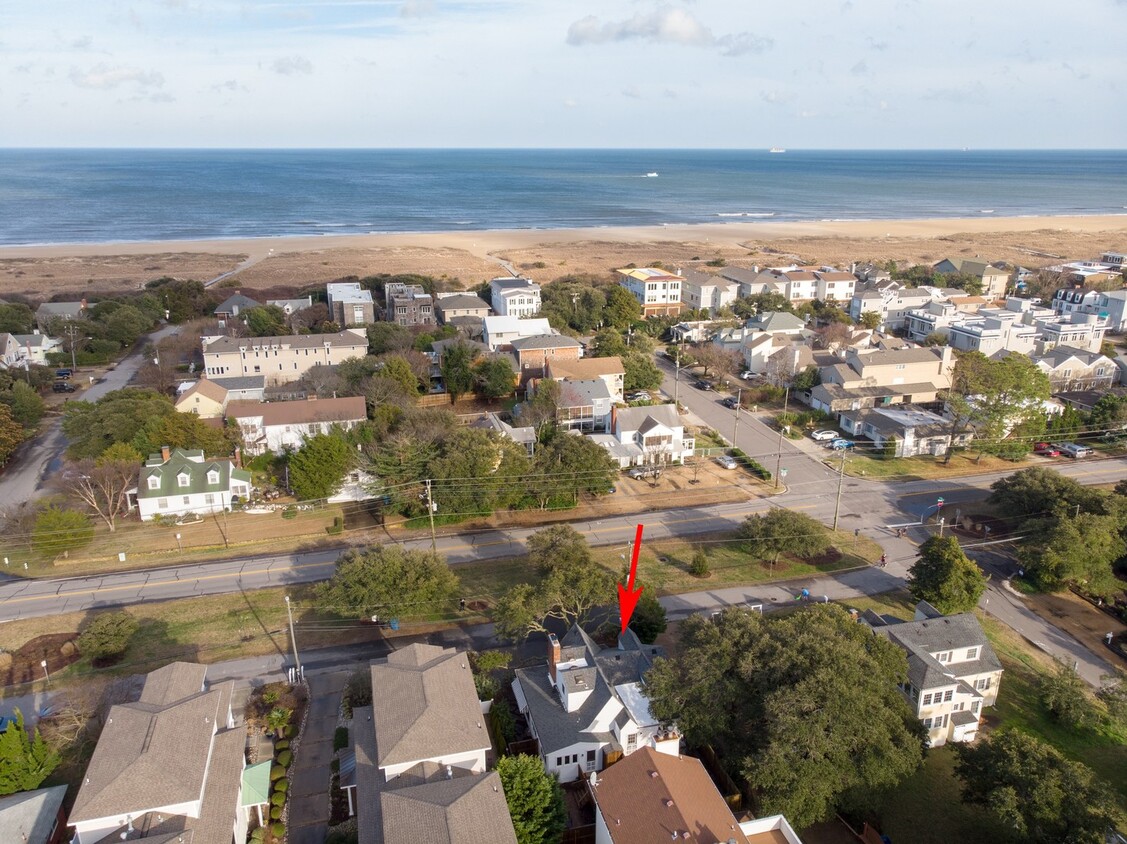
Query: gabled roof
[
  {"x": 194, "y": 466},
  {"x": 1060, "y": 354},
  {"x": 157, "y": 751},
  {"x": 461, "y": 302},
  {"x": 936, "y": 634},
  {"x": 236, "y": 303},
  {"x": 425, "y": 706},
  {"x": 346, "y": 409},
  {"x": 468, "y": 809},
  {"x": 344, "y": 339},
  {"x": 505, "y": 286},
  {"x": 585, "y": 368},
  {"x": 776, "y": 321},
  {"x": 29, "y": 816},
  {"x": 546, "y": 341},
  {"x": 240, "y": 382},
  {"x": 633, "y": 418},
  {"x": 64, "y": 309},
  {"x": 649, "y": 274},
  {"x": 896, "y": 356},
  {"x": 648, "y": 797},
  {"x": 204, "y": 387},
  {"x": 582, "y": 393}
]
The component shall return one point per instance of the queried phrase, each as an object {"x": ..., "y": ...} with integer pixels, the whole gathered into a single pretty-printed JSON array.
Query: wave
[{"x": 745, "y": 213}]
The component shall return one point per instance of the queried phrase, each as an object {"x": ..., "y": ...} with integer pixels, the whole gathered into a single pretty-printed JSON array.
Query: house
[
  {"x": 533, "y": 354},
  {"x": 280, "y": 359},
  {"x": 20, "y": 350},
  {"x": 935, "y": 317},
  {"x": 452, "y": 305},
  {"x": 749, "y": 282},
  {"x": 778, "y": 323},
  {"x": 657, "y": 291},
  {"x": 585, "y": 405},
  {"x": 525, "y": 435},
  {"x": 994, "y": 280},
  {"x": 499, "y": 332},
  {"x": 274, "y": 426},
  {"x": 421, "y": 752},
  {"x": 953, "y": 672},
  {"x": 34, "y": 817},
  {"x": 514, "y": 297},
  {"x": 245, "y": 387},
  {"x": 205, "y": 398},
  {"x": 1070, "y": 369},
  {"x": 906, "y": 430},
  {"x": 349, "y": 303},
  {"x": 409, "y": 304},
  {"x": 234, "y": 305},
  {"x": 704, "y": 292},
  {"x": 651, "y": 436},
  {"x": 289, "y": 307},
  {"x": 804, "y": 284},
  {"x": 649, "y": 797},
  {"x": 1110, "y": 306},
  {"x": 587, "y": 707},
  {"x": 892, "y": 304},
  {"x": 177, "y": 481},
  {"x": 609, "y": 369},
  {"x": 167, "y": 767},
  {"x": 9, "y": 351},
  {"x": 51, "y": 312},
  {"x": 877, "y": 378}
]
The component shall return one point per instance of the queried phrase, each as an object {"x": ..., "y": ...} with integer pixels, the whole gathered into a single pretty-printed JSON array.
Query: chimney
[
  {"x": 238, "y": 458},
  {"x": 165, "y": 452},
  {"x": 553, "y": 655}
]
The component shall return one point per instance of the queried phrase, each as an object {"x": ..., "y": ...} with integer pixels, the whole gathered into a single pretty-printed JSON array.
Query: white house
[
  {"x": 609, "y": 369},
  {"x": 501, "y": 331},
  {"x": 27, "y": 348},
  {"x": 908, "y": 430},
  {"x": 280, "y": 360},
  {"x": 176, "y": 482},
  {"x": 657, "y": 291},
  {"x": 650, "y": 436},
  {"x": 514, "y": 297},
  {"x": 704, "y": 292},
  {"x": 167, "y": 767},
  {"x": 588, "y": 706},
  {"x": 275, "y": 425},
  {"x": 421, "y": 754},
  {"x": 953, "y": 672}
]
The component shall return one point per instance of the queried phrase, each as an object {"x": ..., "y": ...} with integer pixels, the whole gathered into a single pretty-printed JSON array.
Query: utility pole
[
  {"x": 779, "y": 460},
  {"x": 677, "y": 378},
  {"x": 736, "y": 422},
  {"x": 430, "y": 512},
  {"x": 72, "y": 332},
  {"x": 840, "y": 483},
  {"x": 293, "y": 636}
]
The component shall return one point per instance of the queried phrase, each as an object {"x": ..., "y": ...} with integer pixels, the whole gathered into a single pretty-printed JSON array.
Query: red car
[{"x": 1046, "y": 450}]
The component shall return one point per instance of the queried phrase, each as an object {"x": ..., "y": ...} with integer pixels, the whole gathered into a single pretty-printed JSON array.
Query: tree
[
  {"x": 319, "y": 466},
  {"x": 494, "y": 376},
  {"x": 1074, "y": 550},
  {"x": 608, "y": 342},
  {"x": 103, "y": 484},
  {"x": 568, "y": 465},
  {"x": 648, "y": 620},
  {"x": 389, "y": 581},
  {"x": 265, "y": 321},
  {"x": 622, "y": 309},
  {"x": 780, "y": 531},
  {"x": 536, "y": 801},
  {"x": 116, "y": 417},
  {"x": 107, "y": 636},
  {"x": 11, "y": 434},
  {"x": 386, "y": 337},
  {"x": 1036, "y": 493},
  {"x": 457, "y": 369},
  {"x": 641, "y": 373},
  {"x": 571, "y": 584},
  {"x": 58, "y": 531},
  {"x": 16, "y": 318},
  {"x": 804, "y": 707},
  {"x": 945, "y": 578},
  {"x": 126, "y": 325},
  {"x": 1109, "y": 412},
  {"x": 1065, "y": 694},
  {"x": 25, "y": 761},
  {"x": 541, "y": 411},
  {"x": 870, "y": 319},
  {"x": 181, "y": 430},
  {"x": 399, "y": 369},
  {"x": 25, "y": 403},
  {"x": 465, "y": 473},
  {"x": 1033, "y": 789}
]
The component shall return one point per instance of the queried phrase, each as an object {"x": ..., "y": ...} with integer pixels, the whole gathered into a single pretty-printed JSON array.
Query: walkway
[{"x": 309, "y": 780}]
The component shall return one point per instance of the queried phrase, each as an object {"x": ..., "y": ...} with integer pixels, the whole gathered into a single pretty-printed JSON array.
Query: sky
[{"x": 858, "y": 74}]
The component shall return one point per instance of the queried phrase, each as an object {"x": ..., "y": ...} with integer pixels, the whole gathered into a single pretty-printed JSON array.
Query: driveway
[{"x": 309, "y": 779}]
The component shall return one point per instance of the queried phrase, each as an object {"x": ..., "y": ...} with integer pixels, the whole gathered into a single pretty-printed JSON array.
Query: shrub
[
  {"x": 290, "y": 512},
  {"x": 503, "y": 722},
  {"x": 699, "y": 566},
  {"x": 285, "y": 757},
  {"x": 337, "y": 526},
  {"x": 281, "y": 745},
  {"x": 754, "y": 466},
  {"x": 277, "y": 772},
  {"x": 278, "y": 829},
  {"x": 107, "y": 635},
  {"x": 486, "y": 686},
  {"x": 358, "y": 692},
  {"x": 275, "y": 813},
  {"x": 290, "y": 730},
  {"x": 340, "y": 739},
  {"x": 258, "y": 833},
  {"x": 334, "y": 766},
  {"x": 282, "y": 785},
  {"x": 277, "y": 719},
  {"x": 270, "y": 696},
  {"x": 57, "y": 530},
  {"x": 278, "y": 798}
]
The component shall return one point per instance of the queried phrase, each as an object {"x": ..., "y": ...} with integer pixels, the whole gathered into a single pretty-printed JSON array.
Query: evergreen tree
[{"x": 25, "y": 761}]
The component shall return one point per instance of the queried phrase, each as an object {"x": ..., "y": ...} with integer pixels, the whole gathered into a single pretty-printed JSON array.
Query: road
[{"x": 24, "y": 478}]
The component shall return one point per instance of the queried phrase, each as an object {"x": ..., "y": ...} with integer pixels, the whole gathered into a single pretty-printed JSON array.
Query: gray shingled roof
[
  {"x": 29, "y": 816},
  {"x": 236, "y": 303},
  {"x": 291, "y": 341},
  {"x": 425, "y": 705},
  {"x": 461, "y": 302},
  {"x": 776, "y": 321},
  {"x": 633, "y": 418},
  {"x": 932, "y": 635},
  {"x": 546, "y": 341},
  {"x": 241, "y": 382},
  {"x": 469, "y": 809}
]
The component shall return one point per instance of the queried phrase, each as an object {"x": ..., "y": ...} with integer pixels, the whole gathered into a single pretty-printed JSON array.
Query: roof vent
[
  {"x": 653, "y": 774},
  {"x": 668, "y": 801}
]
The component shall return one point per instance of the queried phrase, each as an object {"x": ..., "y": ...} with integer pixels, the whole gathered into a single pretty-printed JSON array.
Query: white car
[
  {"x": 824, "y": 436},
  {"x": 726, "y": 461},
  {"x": 747, "y": 375}
]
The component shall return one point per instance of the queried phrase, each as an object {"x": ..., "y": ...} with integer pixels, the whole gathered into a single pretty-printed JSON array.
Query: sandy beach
[{"x": 470, "y": 257}]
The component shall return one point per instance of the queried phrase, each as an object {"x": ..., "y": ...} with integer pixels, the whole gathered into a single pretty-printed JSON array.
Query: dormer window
[
  {"x": 213, "y": 477},
  {"x": 154, "y": 482},
  {"x": 183, "y": 479}
]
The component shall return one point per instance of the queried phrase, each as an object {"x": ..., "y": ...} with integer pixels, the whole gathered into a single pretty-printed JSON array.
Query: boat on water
[
  {"x": 776, "y": 149},
  {"x": 651, "y": 175}
]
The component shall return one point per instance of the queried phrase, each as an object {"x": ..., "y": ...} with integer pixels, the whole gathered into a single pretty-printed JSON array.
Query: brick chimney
[
  {"x": 238, "y": 458},
  {"x": 553, "y": 655},
  {"x": 165, "y": 453}
]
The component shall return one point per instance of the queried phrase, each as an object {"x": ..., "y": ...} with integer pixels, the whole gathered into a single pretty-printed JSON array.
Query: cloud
[
  {"x": 417, "y": 8},
  {"x": 664, "y": 25},
  {"x": 860, "y": 69},
  {"x": 291, "y": 65},
  {"x": 102, "y": 77}
]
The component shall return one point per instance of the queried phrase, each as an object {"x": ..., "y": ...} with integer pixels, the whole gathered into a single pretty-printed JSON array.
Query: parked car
[
  {"x": 841, "y": 443},
  {"x": 702, "y": 385},
  {"x": 63, "y": 373},
  {"x": 63, "y": 387},
  {"x": 1073, "y": 450},
  {"x": 747, "y": 375},
  {"x": 824, "y": 436},
  {"x": 731, "y": 403},
  {"x": 1046, "y": 450},
  {"x": 639, "y": 395},
  {"x": 726, "y": 461},
  {"x": 638, "y": 472}
]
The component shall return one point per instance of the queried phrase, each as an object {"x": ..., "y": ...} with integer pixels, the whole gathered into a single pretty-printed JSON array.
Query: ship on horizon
[{"x": 776, "y": 149}]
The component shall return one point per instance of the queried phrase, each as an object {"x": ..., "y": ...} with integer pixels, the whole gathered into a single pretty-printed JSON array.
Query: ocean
[{"x": 62, "y": 196}]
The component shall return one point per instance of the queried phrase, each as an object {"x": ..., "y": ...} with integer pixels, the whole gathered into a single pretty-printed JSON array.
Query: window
[
  {"x": 162, "y": 503},
  {"x": 944, "y": 657},
  {"x": 187, "y": 500},
  {"x": 974, "y": 706},
  {"x": 631, "y": 742},
  {"x": 183, "y": 480},
  {"x": 947, "y": 695},
  {"x": 927, "y": 699},
  {"x": 213, "y": 477},
  {"x": 209, "y": 499},
  {"x": 591, "y": 759},
  {"x": 972, "y": 653},
  {"x": 913, "y": 692},
  {"x": 154, "y": 483},
  {"x": 982, "y": 683}
]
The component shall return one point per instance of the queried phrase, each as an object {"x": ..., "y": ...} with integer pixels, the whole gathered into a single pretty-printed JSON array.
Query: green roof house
[{"x": 176, "y": 482}]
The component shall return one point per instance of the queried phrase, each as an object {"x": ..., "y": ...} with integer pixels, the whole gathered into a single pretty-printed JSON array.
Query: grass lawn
[{"x": 918, "y": 468}]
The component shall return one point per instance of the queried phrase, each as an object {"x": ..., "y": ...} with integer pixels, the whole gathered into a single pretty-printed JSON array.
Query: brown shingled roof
[
  {"x": 298, "y": 412},
  {"x": 586, "y": 368}
]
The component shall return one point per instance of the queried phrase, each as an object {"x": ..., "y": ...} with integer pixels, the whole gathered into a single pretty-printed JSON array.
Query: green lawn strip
[{"x": 925, "y": 467}]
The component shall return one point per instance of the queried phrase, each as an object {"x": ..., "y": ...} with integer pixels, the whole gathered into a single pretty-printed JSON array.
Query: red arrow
[{"x": 627, "y": 595}]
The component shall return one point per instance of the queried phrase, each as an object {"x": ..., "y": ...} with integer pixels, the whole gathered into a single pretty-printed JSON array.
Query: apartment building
[
  {"x": 453, "y": 305},
  {"x": 701, "y": 291},
  {"x": 657, "y": 291},
  {"x": 1109, "y": 306},
  {"x": 409, "y": 304},
  {"x": 515, "y": 297},
  {"x": 349, "y": 303},
  {"x": 892, "y": 304},
  {"x": 280, "y": 360}
]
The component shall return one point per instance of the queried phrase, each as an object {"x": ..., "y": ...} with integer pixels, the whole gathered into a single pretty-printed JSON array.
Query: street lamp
[
  {"x": 293, "y": 637},
  {"x": 179, "y": 547},
  {"x": 46, "y": 674}
]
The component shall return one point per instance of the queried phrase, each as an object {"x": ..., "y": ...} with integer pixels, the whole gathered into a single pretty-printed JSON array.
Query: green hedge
[
  {"x": 279, "y": 829},
  {"x": 340, "y": 739},
  {"x": 281, "y": 786},
  {"x": 278, "y": 799},
  {"x": 754, "y": 466},
  {"x": 277, "y": 772},
  {"x": 285, "y": 757},
  {"x": 275, "y": 813},
  {"x": 281, "y": 745}
]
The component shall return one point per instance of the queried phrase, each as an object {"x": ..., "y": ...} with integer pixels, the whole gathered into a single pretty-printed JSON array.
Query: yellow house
[{"x": 205, "y": 398}]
